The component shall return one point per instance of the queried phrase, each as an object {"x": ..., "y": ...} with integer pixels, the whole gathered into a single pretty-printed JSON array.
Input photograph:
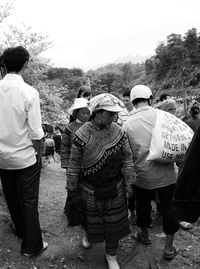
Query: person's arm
[
  {"x": 37, "y": 144},
  {"x": 74, "y": 168},
  {"x": 65, "y": 148},
  {"x": 128, "y": 165},
  {"x": 35, "y": 125}
]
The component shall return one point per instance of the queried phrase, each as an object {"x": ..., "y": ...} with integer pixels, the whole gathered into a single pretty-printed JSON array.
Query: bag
[
  {"x": 74, "y": 209},
  {"x": 170, "y": 140}
]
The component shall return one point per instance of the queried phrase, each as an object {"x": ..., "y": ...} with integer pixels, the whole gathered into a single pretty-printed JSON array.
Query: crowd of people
[{"x": 103, "y": 150}]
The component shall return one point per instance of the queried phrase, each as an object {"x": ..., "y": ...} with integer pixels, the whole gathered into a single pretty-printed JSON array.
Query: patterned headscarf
[
  {"x": 166, "y": 105},
  {"x": 107, "y": 102}
]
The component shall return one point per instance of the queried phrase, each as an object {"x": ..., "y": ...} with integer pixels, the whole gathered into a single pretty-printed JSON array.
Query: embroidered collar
[{"x": 98, "y": 126}]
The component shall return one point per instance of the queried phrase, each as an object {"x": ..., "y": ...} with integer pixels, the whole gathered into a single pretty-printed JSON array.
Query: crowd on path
[{"x": 104, "y": 149}]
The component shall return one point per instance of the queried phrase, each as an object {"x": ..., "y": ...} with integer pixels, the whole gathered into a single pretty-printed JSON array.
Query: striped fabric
[
  {"x": 107, "y": 220},
  {"x": 100, "y": 158}
]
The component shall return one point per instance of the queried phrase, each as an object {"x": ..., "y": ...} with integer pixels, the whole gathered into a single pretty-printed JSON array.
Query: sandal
[
  {"x": 144, "y": 241},
  {"x": 170, "y": 255}
]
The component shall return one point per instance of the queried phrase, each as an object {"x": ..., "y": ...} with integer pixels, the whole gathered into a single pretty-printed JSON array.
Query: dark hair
[
  {"x": 163, "y": 97},
  {"x": 138, "y": 100},
  {"x": 126, "y": 93},
  {"x": 85, "y": 91},
  {"x": 194, "y": 110},
  {"x": 14, "y": 58}
]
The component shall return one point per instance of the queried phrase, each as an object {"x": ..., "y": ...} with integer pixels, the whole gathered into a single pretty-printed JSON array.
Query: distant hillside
[{"x": 138, "y": 59}]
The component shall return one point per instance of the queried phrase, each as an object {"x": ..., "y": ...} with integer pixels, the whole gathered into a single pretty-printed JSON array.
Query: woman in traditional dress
[
  {"x": 80, "y": 112},
  {"x": 101, "y": 170}
]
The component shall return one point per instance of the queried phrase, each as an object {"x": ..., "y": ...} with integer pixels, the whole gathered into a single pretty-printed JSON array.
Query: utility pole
[
  {"x": 89, "y": 81},
  {"x": 184, "y": 90}
]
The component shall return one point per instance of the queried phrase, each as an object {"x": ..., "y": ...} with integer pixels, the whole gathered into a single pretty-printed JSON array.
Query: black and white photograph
[{"x": 99, "y": 134}]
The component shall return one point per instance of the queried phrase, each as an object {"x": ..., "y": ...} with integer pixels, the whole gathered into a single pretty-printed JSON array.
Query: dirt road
[{"x": 65, "y": 249}]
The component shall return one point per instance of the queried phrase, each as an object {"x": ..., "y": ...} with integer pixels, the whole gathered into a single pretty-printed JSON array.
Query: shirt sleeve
[
  {"x": 74, "y": 168},
  {"x": 127, "y": 163},
  {"x": 34, "y": 118}
]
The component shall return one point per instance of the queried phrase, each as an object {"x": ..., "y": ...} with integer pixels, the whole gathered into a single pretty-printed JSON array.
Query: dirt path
[{"x": 65, "y": 249}]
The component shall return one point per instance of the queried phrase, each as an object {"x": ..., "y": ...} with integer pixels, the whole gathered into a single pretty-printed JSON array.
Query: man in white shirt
[{"x": 20, "y": 150}]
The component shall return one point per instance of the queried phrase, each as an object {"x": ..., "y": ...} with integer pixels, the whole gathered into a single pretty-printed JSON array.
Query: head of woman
[
  {"x": 104, "y": 108},
  {"x": 104, "y": 117},
  {"x": 84, "y": 92},
  {"x": 79, "y": 110},
  {"x": 168, "y": 105},
  {"x": 82, "y": 114}
]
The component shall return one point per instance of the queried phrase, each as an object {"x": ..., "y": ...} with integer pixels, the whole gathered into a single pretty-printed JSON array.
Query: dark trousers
[
  {"x": 21, "y": 191},
  {"x": 143, "y": 208},
  {"x": 131, "y": 203}
]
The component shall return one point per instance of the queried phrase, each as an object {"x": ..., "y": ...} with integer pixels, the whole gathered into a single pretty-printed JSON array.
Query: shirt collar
[
  {"x": 10, "y": 76},
  {"x": 142, "y": 108}
]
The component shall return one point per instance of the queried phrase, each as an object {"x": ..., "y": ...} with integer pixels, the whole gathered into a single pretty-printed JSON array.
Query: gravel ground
[{"x": 65, "y": 249}]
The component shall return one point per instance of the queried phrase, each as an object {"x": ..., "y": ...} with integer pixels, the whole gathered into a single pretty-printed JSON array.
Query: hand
[
  {"x": 38, "y": 158},
  {"x": 129, "y": 191}
]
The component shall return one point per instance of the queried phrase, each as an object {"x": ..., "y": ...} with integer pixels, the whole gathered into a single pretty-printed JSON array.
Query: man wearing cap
[
  {"x": 150, "y": 177},
  {"x": 20, "y": 150}
]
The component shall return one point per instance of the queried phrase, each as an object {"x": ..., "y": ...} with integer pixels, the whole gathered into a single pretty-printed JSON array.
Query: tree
[
  {"x": 5, "y": 10},
  {"x": 191, "y": 45},
  {"x": 149, "y": 66},
  {"x": 35, "y": 43},
  {"x": 175, "y": 50},
  {"x": 127, "y": 73},
  {"x": 107, "y": 80}
]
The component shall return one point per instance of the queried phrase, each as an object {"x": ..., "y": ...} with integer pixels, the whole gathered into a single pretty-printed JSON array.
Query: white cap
[
  {"x": 140, "y": 91},
  {"x": 78, "y": 103}
]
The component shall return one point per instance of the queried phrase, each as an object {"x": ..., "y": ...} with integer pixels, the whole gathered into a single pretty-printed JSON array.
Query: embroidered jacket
[{"x": 99, "y": 156}]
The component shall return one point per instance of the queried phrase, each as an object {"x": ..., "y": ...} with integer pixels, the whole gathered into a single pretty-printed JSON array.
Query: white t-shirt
[{"x": 20, "y": 122}]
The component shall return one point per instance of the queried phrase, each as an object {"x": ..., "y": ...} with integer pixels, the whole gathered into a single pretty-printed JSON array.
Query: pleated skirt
[{"x": 106, "y": 220}]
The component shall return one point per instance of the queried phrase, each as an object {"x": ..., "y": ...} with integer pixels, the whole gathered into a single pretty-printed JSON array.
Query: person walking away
[
  {"x": 57, "y": 140},
  {"x": 101, "y": 171},
  {"x": 153, "y": 176},
  {"x": 20, "y": 150},
  {"x": 49, "y": 148}
]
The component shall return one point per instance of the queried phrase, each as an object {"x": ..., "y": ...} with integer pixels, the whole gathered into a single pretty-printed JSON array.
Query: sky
[{"x": 90, "y": 33}]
